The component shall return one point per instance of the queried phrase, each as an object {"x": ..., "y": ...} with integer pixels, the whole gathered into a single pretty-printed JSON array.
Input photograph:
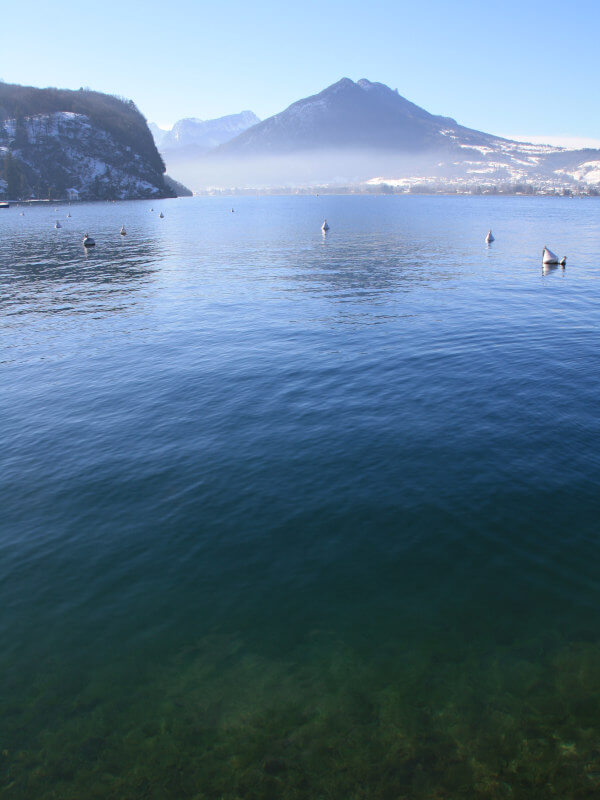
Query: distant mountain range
[
  {"x": 365, "y": 132},
  {"x": 202, "y": 135},
  {"x": 58, "y": 143}
]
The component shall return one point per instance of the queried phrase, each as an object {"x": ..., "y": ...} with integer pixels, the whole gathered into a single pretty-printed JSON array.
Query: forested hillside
[{"x": 54, "y": 140}]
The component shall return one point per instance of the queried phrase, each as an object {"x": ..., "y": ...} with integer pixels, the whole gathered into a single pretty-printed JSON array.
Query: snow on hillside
[
  {"x": 350, "y": 132},
  {"x": 504, "y": 162},
  {"x": 65, "y": 150},
  {"x": 588, "y": 172},
  {"x": 204, "y": 134}
]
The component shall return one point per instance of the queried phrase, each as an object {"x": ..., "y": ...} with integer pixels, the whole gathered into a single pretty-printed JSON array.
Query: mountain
[
  {"x": 202, "y": 135},
  {"x": 158, "y": 134},
  {"x": 361, "y": 115},
  {"x": 364, "y": 132},
  {"x": 55, "y": 142}
]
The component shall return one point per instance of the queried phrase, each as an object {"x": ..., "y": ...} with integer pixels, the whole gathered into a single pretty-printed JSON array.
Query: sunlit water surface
[{"x": 293, "y": 516}]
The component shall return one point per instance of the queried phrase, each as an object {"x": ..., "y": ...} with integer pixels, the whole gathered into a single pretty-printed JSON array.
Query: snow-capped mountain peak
[{"x": 203, "y": 134}]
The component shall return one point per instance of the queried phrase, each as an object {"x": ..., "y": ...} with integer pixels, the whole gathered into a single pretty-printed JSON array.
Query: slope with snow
[
  {"x": 201, "y": 134},
  {"x": 53, "y": 153},
  {"x": 353, "y": 131}
]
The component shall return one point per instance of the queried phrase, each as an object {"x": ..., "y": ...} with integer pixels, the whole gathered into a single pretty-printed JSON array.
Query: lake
[{"x": 293, "y": 515}]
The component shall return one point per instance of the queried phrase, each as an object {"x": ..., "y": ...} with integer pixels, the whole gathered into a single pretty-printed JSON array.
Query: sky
[{"x": 520, "y": 68}]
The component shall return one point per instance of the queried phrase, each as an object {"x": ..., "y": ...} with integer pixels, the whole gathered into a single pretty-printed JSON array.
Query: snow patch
[
  {"x": 72, "y": 150},
  {"x": 588, "y": 172}
]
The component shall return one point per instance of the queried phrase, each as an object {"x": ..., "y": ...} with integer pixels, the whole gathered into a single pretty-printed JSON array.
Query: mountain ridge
[
  {"x": 348, "y": 114},
  {"x": 202, "y": 134},
  {"x": 352, "y": 133}
]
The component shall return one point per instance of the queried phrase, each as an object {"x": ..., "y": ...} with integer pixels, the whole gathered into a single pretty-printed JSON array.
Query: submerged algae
[{"x": 223, "y": 721}]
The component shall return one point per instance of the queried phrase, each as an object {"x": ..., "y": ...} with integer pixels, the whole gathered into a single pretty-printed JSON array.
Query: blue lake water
[{"x": 285, "y": 515}]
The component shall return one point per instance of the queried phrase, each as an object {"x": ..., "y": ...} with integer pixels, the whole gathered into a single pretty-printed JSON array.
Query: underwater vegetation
[{"x": 330, "y": 721}]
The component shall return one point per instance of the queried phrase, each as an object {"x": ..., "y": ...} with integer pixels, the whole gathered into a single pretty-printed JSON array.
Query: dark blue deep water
[{"x": 293, "y": 516}]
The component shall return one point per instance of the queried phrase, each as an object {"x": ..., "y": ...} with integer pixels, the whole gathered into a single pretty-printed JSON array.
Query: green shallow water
[
  {"x": 329, "y": 721},
  {"x": 287, "y": 516}
]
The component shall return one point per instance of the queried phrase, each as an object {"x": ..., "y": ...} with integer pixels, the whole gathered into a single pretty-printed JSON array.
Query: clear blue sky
[{"x": 520, "y": 67}]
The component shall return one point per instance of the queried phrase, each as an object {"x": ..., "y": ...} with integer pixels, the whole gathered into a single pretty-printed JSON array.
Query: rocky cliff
[{"x": 60, "y": 143}]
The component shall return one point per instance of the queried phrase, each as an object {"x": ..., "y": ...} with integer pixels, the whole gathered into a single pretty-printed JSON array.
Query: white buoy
[
  {"x": 151, "y": 209},
  {"x": 57, "y": 224},
  {"x": 548, "y": 257},
  {"x": 88, "y": 241},
  {"x": 123, "y": 231},
  {"x": 232, "y": 211},
  {"x": 69, "y": 215},
  {"x": 489, "y": 238},
  {"x": 563, "y": 262},
  {"x": 324, "y": 226}
]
